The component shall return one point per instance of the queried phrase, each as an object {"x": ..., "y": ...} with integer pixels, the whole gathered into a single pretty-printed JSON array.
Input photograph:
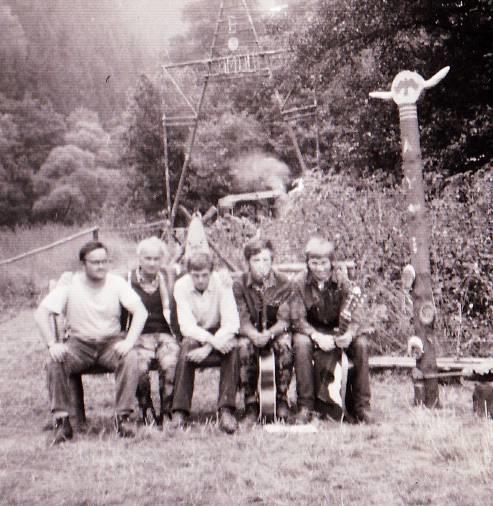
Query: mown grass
[{"x": 410, "y": 456}]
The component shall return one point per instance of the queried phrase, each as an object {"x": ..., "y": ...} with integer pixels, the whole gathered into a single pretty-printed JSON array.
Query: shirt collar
[
  {"x": 269, "y": 282},
  {"x": 311, "y": 280},
  {"x": 144, "y": 282}
]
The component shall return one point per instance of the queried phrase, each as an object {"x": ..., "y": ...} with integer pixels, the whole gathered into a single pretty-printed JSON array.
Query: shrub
[{"x": 367, "y": 223}]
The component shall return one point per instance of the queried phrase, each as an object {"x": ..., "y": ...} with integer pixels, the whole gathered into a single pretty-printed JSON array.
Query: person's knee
[
  {"x": 360, "y": 344},
  {"x": 245, "y": 349},
  {"x": 131, "y": 360},
  {"x": 302, "y": 344}
]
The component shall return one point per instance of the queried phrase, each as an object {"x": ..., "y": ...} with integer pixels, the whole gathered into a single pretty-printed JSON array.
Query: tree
[
  {"x": 355, "y": 47},
  {"x": 16, "y": 190}
]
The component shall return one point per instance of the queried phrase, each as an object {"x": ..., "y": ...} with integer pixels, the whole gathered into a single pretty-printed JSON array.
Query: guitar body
[
  {"x": 267, "y": 385},
  {"x": 339, "y": 366}
]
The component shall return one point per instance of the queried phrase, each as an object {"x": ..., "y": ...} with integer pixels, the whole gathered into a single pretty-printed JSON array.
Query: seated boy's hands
[
  {"x": 260, "y": 339},
  {"x": 58, "y": 351},
  {"x": 123, "y": 347},
  {"x": 325, "y": 341},
  {"x": 344, "y": 341},
  {"x": 223, "y": 343},
  {"x": 199, "y": 354}
]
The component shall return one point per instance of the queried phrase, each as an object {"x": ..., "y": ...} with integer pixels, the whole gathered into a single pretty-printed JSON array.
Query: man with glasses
[
  {"x": 91, "y": 302},
  {"x": 321, "y": 294}
]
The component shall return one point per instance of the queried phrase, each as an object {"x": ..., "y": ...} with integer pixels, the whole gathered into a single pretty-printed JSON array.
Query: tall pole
[{"x": 405, "y": 91}]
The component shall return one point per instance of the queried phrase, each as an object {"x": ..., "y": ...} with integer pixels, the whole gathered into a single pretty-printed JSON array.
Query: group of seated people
[{"x": 205, "y": 318}]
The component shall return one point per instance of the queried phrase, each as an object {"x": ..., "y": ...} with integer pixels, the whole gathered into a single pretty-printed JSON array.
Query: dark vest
[
  {"x": 152, "y": 301},
  {"x": 326, "y": 306}
]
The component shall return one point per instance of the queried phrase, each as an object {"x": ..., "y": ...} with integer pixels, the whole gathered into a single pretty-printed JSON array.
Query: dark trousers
[
  {"x": 358, "y": 388},
  {"x": 249, "y": 358},
  {"x": 185, "y": 376},
  {"x": 83, "y": 355}
]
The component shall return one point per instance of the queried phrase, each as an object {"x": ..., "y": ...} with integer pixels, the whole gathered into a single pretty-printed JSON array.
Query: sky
[{"x": 158, "y": 19}]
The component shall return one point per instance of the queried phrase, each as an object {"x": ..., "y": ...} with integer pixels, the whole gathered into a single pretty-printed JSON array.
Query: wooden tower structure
[{"x": 235, "y": 52}]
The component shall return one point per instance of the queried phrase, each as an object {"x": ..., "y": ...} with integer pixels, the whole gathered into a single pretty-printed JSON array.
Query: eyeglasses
[{"x": 97, "y": 262}]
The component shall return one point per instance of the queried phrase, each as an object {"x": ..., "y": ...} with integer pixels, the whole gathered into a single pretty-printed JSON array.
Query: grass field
[{"x": 410, "y": 456}]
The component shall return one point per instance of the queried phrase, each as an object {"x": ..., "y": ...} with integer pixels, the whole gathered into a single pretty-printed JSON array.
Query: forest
[{"x": 81, "y": 94}]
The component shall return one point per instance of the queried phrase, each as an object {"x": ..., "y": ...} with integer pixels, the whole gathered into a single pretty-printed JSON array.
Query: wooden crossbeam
[
  {"x": 302, "y": 109},
  {"x": 300, "y": 116},
  {"x": 207, "y": 61}
]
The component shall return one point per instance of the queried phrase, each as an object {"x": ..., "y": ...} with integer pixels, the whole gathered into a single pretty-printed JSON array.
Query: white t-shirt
[{"x": 92, "y": 314}]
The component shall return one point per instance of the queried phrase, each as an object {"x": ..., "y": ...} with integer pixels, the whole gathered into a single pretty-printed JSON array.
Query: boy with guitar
[
  {"x": 325, "y": 326},
  {"x": 263, "y": 297}
]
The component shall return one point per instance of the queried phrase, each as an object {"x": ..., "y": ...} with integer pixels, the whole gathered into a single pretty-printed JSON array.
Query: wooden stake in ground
[{"x": 405, "y": 91}]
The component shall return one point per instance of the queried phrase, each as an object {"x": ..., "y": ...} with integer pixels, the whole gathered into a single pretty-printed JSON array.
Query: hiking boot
[
  {"x": 282, "y": 411},
  {"x": 251, "y": 415},
  {"x": 304, "y": 416},
  {"x": 63, "y": 430},
  {"x": 227, "y": 421},
  {"x": 178, "y": 420},
  {"x": 124, "y": 427}
]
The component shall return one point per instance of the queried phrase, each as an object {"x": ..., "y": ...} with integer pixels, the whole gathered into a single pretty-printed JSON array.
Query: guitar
[
  {"x": 267, "y": 384},
  {"x": 337, "y": 387}
]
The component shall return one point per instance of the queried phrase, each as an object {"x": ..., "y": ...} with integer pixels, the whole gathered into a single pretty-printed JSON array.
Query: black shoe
[
  {"x": 250, "y": 417},
  {"x": 282, "y": 411},
  {"x": 304, "y": 416},
  {"x": 124, "y": 428},
  {"x": 227, "y": 421},
  {"x": 364, "y": 417},
  {"x": 63, "y": 430},
  {"x": 178, "y": 420}
]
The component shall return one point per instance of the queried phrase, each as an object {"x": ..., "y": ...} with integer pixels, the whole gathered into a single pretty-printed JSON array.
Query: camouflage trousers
[
  {"x": 249, "y": 354},
  {"x": 163, "y": 349}
]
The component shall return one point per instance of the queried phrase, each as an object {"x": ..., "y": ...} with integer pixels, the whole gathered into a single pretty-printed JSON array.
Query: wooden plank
[
  {"x": 471, "y": 365},
  {"x": 52, "y": 245}
]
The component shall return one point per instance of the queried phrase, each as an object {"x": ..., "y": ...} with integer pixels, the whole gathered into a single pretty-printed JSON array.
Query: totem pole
[{"x": 405, "y": 91}]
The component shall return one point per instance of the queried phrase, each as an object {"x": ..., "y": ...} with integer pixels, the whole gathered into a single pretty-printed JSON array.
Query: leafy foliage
[
  {"x": 72, "y": 184},
  {"x": 367, "y": 225},
  {"x": 357, "y": 47}
]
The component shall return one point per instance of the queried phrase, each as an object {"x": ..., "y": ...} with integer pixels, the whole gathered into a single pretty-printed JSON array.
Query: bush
[{"x": 367, "y": 223}]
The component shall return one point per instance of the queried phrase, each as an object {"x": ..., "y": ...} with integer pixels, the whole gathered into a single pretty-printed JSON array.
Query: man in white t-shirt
[{"x": 92, "y": 302}]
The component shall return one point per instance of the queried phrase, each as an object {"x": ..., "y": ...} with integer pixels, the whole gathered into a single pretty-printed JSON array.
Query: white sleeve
[
  {"x": 56, "y": 300},
  {"x": 129, "y": 298}
]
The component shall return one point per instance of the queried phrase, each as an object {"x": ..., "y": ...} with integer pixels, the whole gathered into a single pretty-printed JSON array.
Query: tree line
[{"x": 80, "y": 119}]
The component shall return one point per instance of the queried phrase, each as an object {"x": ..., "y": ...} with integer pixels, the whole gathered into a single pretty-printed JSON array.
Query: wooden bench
[{"x": 75, "y": 381}]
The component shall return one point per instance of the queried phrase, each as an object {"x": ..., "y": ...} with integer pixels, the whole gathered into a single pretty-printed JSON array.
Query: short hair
[
  {"x": 255, "y": 246},
  {"x": 90, "y": 246},
  {"x": 152, "y": 242},
  {"x": 319, "y": 247},
  {"x": 199, "y": 261}
]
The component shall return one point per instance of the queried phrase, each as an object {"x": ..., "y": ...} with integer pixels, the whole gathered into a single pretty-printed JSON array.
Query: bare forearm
[
  {"x": 43, "y": 319},
  {"x": 139, "y": 318}
]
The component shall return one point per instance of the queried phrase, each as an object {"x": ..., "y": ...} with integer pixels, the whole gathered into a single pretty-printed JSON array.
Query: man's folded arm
[
  {"x": 186, "y": 319},
  {"x": 43, "y": 318},
  {"x": 133, "y": 304},
  {"x": 246, "y": 328},
  {"x": 228, "y": 310},
  {"x": 52, "y": 305}
]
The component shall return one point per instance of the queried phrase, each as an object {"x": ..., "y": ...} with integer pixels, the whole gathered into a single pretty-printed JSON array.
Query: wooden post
[
  {"x": 188, "y": 155},
  {"x": 405, "y": 91}
]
